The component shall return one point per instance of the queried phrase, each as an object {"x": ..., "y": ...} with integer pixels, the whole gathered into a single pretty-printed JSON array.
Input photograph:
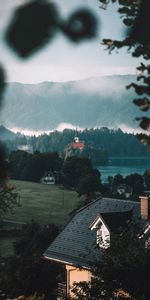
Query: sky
[{"x": 62, "y": 60}]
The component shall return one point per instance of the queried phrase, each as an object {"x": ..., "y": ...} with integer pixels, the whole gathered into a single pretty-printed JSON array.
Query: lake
[{"x": 124, "y": 166}]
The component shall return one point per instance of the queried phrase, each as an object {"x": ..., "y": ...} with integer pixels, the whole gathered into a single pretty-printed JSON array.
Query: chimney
[{"x": 145, "y": 206}]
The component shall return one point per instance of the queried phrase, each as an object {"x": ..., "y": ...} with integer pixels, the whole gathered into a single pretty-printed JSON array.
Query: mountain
[
  {"x": 102, "y": 101},
  {"x": 6, "y": 134}
]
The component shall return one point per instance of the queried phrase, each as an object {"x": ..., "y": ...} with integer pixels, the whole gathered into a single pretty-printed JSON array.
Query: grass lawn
[{"x": 43, "y": 203}]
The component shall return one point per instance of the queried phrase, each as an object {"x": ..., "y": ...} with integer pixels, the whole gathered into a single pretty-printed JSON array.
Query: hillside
[
  {"x": 6, "y": 134},
  {"x": 101, "y": 101}
]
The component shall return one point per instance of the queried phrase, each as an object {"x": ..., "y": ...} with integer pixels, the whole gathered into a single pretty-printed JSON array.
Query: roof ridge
[{"x": 90, "y": 203}]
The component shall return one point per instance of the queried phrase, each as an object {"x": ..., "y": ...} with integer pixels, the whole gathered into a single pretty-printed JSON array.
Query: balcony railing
[{"x": 61, "y": 291}]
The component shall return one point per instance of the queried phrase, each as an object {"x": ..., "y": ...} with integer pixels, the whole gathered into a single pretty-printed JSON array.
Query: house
[
  {"x": 89, "y": 231},
  {"x": 124, "y": 190},
  {"x": 48, "y": 178}
]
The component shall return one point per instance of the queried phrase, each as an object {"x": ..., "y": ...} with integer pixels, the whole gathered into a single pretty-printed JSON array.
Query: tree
[
  {"x": 136, "y": 181},
  {"x": 74, "y": 169},
  {"x": 89, "y": 185},
  {"x": 31, "y": 273},
  {"x": 122, "y": 272},
  {"x": 135, "y": 15},
  {"x": 8, "y": 198},
  {"x": 118, "y": 179},
  {"x": 147, "y": 178}
]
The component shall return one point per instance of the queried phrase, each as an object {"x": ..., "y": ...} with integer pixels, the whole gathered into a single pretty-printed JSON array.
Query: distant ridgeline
[{"x": 97, "y": 144}]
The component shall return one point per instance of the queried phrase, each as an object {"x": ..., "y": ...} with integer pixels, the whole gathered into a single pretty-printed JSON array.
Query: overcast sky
[{"x": 62, "y": 60}]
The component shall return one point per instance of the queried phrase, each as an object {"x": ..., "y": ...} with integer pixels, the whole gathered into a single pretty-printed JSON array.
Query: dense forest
[{"x": 113, "y": 142}]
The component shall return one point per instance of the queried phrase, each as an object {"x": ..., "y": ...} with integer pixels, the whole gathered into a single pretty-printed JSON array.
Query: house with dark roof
[{"x": 89, "y": 231}]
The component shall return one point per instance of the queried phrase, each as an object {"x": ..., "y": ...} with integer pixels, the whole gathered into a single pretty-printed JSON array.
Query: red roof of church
[{"x": 77, "y": 145}]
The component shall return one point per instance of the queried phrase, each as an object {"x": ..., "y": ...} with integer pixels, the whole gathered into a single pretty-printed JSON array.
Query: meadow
[{"x": 44, "y": 204}]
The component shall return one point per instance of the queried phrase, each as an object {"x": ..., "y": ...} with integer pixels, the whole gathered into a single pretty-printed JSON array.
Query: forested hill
[
  {"x": 115, "y": 142},
  {"x": 89, "y": 103}
]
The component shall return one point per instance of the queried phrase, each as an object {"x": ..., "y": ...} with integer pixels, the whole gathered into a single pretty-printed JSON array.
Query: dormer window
[
  {"x": 102, "y": 232},
  {"x": 107, "y": 223}
]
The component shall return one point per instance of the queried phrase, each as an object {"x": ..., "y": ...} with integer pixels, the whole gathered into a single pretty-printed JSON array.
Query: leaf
[
  {"x": 81, "y": 25},
  {"x": 140, "y": 31},
  {"x": 32, "y": 26},
  {"x": 128, "y": 22},
  {"x": 144, "y": 122},
  {"x": 141, "y": 68},
  {"x": 139, "y": 89},
  {"x": 144, "y": 139},
  {"x": 144, "y": 103}
]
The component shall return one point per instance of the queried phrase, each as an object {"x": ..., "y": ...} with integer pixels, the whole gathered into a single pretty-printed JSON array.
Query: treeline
[
  {"x": 131, "y": 186},
  {"x": 31, "y": 167},
  {"x": 71, "y": 173},
  {"x": 76, "y": 173},
  {"x": 113, "y": 142},
  {"x": 108, "y": 142}
]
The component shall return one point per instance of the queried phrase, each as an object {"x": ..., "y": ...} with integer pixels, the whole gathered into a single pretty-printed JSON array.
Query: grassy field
[{"x": 43, "y": 203}]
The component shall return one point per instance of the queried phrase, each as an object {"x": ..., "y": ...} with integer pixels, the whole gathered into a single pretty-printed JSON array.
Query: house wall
[{"x": 76, "y": 275}]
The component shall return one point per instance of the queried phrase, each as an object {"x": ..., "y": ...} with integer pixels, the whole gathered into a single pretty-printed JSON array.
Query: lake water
[{"x": 124, "y": 166}]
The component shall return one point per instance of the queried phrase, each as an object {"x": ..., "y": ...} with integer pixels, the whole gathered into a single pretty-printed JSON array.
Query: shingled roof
[{"x": 76, "y": 244}]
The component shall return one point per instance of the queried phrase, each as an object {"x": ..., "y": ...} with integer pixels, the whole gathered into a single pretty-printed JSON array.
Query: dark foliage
[
  {"x": 8, "y": 198},
  {"x": 122, "y": 272},
  {"x": 31, "y": 167},
  {"x": 80, "y": 26},
  {"x": 32, "y": 26},
  {"x": 31, "y": 273},
  {"x": 105, "y": 143},
  {"x": 35, "y": 23},
  {"x": 74, "y": 169},
  {"x": 140, "y": 30},
  {"x": 135, "y": 15}
]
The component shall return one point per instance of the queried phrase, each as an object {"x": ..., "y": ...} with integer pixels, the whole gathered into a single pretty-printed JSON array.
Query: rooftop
[{"x": 76, "y": 244}]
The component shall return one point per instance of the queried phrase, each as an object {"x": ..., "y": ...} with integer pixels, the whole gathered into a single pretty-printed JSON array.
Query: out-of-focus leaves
[
  {"x": 128, "y": 22},
  {"x": 80, "y": 26},
  {"x": 125, "y": 2},
  {"x": 104, "y": 3},
  {"x": 142, "y": 50},
  {"x": 143, "y": 68},
  {"x": 32, "y": 26},
  {"x": 140, "y": 89},
  {"x": 2, "y": 83},
  {"x": 143, "y": 104},
  {"x": 140, "y": 31},
  {"x": 144, "y": 139},
  {"x": 144, "y": 123}
]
